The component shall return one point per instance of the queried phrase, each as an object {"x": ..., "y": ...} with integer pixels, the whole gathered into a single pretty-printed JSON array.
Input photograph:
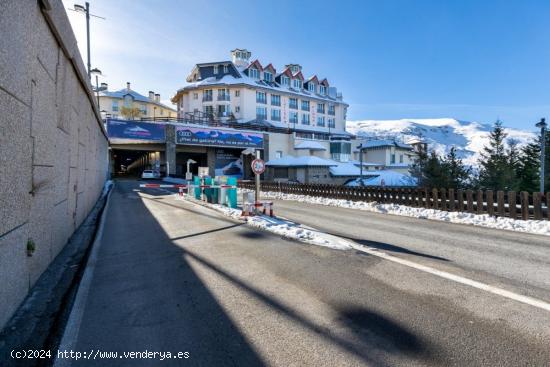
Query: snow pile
[
  {"x": 484, "y": 220},
  {"x": 281, "y": 227},
  {"x": 469, "y": 138}
]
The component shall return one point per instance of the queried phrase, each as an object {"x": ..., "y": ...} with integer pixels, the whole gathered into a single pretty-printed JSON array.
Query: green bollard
[
  {"x": 232, "y": 193},
  {"x": 208, "y": 190},
  {"x": 216, "y": 192},
  {"x": 197, "y": 183}
]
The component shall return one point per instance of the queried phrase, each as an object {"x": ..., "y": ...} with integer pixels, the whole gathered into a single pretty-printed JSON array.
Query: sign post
[{"x": 258, "y": 167}]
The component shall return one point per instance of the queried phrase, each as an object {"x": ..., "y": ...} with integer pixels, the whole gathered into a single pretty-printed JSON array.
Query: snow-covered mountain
[{"x": 441, "y": 134}]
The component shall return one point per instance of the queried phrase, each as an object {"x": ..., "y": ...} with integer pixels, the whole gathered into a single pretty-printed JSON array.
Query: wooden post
[
  {"x": 537, "y": 205},
  {"x": 479, "y": 202},
  {"x": 436, "y": 202},
  {"x": 524, "y": 199},
  {"x": 512, "y": 208},
  {"x": 451, "y": 200},
  {"x": 444, "y": 199},
  {"x": 490, "y": 203},
  {"x": 548, "y": 205},
  {"x": 427, "y": 198},
  {"x": 460, "y": 200},
  {"x": 470, "y": 201},
  {"x": 500, "y": 203}
]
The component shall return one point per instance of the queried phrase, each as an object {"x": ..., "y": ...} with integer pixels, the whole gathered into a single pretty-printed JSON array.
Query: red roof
[
  {"x": 287, "y": 72},
  {"x": 270, "y": 66},
  {"x": 257, "y": 64},
  {"x": 298, "y": 75},
  {"x": 324, "y": 82},
  {"x": 313, "y": 79}
]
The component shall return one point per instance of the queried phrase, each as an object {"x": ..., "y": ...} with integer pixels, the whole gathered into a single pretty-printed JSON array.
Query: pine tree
[
  {"x": 513, "y": 161},
  {"x": 495, "y": 173},
  {"x": 458, "y": 175},
  {"x": 528, "y": 171},
  {"x": 430, "y": 171}
]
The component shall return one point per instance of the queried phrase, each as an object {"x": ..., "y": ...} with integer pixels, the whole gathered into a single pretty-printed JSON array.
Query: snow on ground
[
  {"x": 528, "y": 226},
  {"x": 284, "y": 228}
]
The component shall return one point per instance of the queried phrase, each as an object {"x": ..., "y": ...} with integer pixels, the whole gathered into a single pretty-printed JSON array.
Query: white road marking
[{"x": 456, "y": 278}]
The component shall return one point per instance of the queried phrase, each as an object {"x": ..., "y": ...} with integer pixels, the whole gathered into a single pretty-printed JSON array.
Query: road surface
[{"x": 171, "y": 276}]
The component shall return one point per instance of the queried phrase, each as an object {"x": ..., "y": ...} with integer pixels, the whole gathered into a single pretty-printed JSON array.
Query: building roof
[
  {"x": 137, "y": 97},
  {"x": 351, "y": 169},
  {"x": 309, "y": 144},
  {"x": 390, "y": 178},
  {"x": 385, "y": 143},
  {"x": 304, "y": 161}
]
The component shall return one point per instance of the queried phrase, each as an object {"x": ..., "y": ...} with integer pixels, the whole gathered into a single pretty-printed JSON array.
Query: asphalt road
[{"x": 173, "y": 276}]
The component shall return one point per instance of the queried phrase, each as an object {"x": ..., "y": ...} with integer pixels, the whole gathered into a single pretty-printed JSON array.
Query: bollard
[
  {"x": 244, "y": 213},
  {"x": 181, "y": 191},
  {"x": 271, "y": 209}
]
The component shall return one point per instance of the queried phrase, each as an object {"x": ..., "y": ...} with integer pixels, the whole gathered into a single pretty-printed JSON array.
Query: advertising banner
[
  {"x": 218, "y": 137},
  {"x": 228, "y": 163},
  {"x": 135, "y": 130}
]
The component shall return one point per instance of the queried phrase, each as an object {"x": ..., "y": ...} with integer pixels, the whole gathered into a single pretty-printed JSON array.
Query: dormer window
[
  {"x": 225, "y": 69},
  {"x": 285, "y": 80},
  {"x": 322, "y": 90},
  {"x": 254, "y": 73},
  {"x": 268, "y": 77},
  {"x": 311, "y": 87},
  {"x": 216, "y": 69},
  {"x": 297, "y": 84},
  {"x": 295, "y": 69}
]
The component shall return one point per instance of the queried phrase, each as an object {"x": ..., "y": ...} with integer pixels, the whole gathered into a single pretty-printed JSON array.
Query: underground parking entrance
[{"x": 130, "y": 161}]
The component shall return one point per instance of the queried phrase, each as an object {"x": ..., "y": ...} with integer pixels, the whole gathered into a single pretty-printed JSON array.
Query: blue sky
[{"x": 470, "y": 60}]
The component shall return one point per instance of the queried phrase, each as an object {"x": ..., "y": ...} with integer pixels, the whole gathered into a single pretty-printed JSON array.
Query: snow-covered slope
[{"x": 469, "y": 138}]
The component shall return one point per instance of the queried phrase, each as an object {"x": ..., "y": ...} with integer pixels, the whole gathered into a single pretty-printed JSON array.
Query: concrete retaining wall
[{"x": 53, "y": 149}]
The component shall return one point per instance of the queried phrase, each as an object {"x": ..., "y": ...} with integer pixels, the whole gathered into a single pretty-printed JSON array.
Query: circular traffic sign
[{"x": 258, "y": 166}]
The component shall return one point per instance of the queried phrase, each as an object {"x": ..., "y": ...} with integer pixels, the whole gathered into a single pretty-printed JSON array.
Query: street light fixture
[
  {"x": 360, "y": 147},
  {"x": 86, "y": 10},
  {"x": 542, "y": 126},
  {"x": 97, "y": 73}
]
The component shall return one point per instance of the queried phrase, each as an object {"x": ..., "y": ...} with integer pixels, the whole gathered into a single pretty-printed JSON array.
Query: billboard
[
  {"x": 134, "y": 130},
  {"x": 218, "y": 137},
  {"x": 228, "y": 163}
]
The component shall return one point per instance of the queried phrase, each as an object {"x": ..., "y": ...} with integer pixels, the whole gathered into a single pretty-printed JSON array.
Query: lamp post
[
  {"x": 97, "y": 73},
  {"x": 360, "y": 147},
  {"x": 542, "y": 125},
  {"x": 86, "y": 10}
]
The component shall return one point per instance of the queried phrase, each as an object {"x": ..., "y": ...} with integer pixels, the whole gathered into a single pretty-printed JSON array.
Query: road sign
[{"x": 258, "y": 166}]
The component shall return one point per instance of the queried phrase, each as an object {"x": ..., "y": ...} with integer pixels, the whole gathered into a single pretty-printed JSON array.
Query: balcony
[
  {"x": 261, "y": 100},
  {"x": 224, "y": 97},
  {"x": 207, "y": 98},
  {"x": 331, "y": 112},
  {"x": 294, "y": 106},
  {"x": 321, "y": 110}
]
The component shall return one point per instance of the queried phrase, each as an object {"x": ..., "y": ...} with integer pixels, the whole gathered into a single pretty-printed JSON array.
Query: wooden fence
[{"x": 515, "y": 205}]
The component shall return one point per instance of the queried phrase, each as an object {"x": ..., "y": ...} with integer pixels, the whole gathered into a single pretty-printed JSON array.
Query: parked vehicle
[{"x": 147, "y": 174}]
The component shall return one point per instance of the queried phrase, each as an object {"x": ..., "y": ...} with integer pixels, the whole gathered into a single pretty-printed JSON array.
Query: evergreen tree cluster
[{"x": 503, "y": 166}]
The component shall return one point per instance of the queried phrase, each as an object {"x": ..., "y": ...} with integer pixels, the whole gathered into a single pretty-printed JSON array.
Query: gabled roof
[
  {"x": 271, "y": 68},
  {"x": 135, "y": 95},
  {"x": 256, "y": 64},
  {"x": 385, "y": 143},
  {"x": 286, "y": 72},
  {"x": 313, "y": 79},
  {"x": 324, "y": 82},
  {"x": 298, "y": 75}
]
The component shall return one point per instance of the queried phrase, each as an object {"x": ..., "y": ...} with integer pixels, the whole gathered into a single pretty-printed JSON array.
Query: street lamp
[
  {"x": 97, "y": 73},
  {"x": 360, "y": 147},
  {"x": 86, "y": 10},
  {"x": 542, "y": 126}
]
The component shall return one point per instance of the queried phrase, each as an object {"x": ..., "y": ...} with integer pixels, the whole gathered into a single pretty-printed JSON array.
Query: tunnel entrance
[{"x": 131, "y": 163}]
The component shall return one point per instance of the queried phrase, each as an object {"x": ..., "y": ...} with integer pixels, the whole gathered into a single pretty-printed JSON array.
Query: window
[
  {"x": 322, "y": 90},
  {"x": 340, "y": 151},
  {"x": 280, "y": 172},
  {"x": 195, "y": 96},
  {"x": 305, "y": 118},
  {"x": 321, "y": 121},
  {"x": 297, "y": 84},
  {"x": 225, "y": 69},
  {"x": 161, "y": 112},
  {"x": 400, "y": 158},
  {"x": 275, "y": 114},
  {"x": 128, "y": 100},
  {"x": 311, "y": 87},
  {"x": 331, "y": 109},
  {"x": 143, "y": 109},
  {"x": 320, "y": 108},
  {"x": 237, "y": 93},
  {"x": 223, "y": 94},
  {"x": 293, "y": 117},
  {"x": 224, "y": 110},
  {"x": 331, "y": 122},
  {"x": 114, "y": 107},
  {"x": 253, "y": 73},
  {"x": 216, "y": 69},
  {"x": 268, "y": 77},
  {"x": 305, "y": 105},
  {"x": 392, "y": 159},
  {"x": 195, "y": 111},
  {"x": 207, "y": 95},
  {"x": 237, "y": 109},
  {"x": 275, "y": 100},
  {"x": 285, "y": 80},
  {"x": 293, "y": 103},
  {"x": 208, "y": 110},
  {"x": 261, "y": 97},
  {"x": 279, "y": 154},
  {"x": 261, "y": 113}
]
